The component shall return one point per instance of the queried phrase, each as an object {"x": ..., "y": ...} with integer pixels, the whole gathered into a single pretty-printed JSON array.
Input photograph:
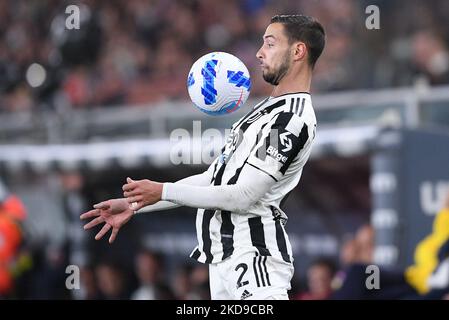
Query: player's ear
[{"x": 299, "y": 51}]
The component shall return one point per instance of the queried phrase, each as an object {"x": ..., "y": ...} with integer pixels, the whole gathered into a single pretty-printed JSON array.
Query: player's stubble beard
[{"x": 276, "y": 76}]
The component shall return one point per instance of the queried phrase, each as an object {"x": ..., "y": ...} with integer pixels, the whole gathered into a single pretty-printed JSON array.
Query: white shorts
[{"x": 250, "y": 276}]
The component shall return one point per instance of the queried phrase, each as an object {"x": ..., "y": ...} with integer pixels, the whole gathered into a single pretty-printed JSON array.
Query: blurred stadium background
[{"x": 80, "y": 110}]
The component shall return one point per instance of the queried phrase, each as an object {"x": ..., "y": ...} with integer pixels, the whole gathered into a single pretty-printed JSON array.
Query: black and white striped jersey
[{"x": 275, "y": 137}]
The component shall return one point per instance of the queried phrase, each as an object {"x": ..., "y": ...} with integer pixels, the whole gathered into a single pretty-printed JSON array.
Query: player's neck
[{"x": 295, "y": 81}]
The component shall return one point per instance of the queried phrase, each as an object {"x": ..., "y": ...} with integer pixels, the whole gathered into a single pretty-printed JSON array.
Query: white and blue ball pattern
[{"x": 218, "y": 83}]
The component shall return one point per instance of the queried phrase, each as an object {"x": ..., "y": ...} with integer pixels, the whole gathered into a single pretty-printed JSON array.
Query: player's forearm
[
  {"x": 159, "y": 206},
  {"x": 201, "y": 179},
  {"x": 238, "y": 197}
]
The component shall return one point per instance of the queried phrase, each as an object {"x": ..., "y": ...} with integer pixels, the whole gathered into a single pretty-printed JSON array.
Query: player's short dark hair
[{"x": 305, "y": 29}]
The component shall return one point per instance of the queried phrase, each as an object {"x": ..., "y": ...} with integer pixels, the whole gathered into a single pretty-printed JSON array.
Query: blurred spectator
[
  {"x": 364, "y": 239},
  {"x": 88, "y": 284},
  {"x": 319, "y": 280},
  {"x": 111, "y": 281},
  {"x": 150, "y": 273},
  {"x": 199, "y": 283},
  {"x": 12, "y": 214},
  {"x": 430, "y": 56},
  {"x": 181, "y": 282}
]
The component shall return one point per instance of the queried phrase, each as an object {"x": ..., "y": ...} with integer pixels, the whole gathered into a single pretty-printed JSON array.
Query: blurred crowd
[{"x": 139, "y": 51}]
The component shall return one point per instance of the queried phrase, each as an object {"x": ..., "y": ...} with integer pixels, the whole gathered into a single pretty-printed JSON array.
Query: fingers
[
  {"x": 102, "y": 205},
  {"x": 90, "y": 214},
  {"x": 129, "y": 180},
  {"x": 134, "y": 199},
  {"x": 94, "y": 222},
  {"x": 130, "y": 185},
  {"x": 113, "y": 235},
  {"x": 103, "y": 231},
  {"x": 134, "y": 192}
]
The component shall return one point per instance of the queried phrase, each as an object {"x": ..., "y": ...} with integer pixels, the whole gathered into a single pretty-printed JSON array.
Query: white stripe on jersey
[{"x": 276, "y": 138}]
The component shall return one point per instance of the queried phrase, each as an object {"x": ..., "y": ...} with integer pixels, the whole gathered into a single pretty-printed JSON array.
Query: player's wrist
[{"x": 165, "y": 190}]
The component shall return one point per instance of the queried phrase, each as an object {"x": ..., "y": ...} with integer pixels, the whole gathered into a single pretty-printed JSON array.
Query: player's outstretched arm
[
  {"x": 251, "y": 186},
  {"x": 202, "y": 179}
]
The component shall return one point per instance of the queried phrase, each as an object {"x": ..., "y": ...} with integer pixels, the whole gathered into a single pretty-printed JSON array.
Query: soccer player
[{"x": 240, "y": 224}]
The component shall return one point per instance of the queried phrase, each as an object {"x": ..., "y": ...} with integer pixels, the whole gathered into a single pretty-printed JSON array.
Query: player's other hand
[
  {"x": 141, "y": 193},
  {"x": 114, "y": 213}
]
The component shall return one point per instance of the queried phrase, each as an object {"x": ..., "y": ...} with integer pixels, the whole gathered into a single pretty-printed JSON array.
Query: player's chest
[{"x": 244, "y": 134}]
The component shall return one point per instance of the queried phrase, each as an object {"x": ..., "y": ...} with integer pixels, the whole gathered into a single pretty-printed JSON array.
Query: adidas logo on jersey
[
  {"x": 246, "y": 294},
  {"x": 272, "y": 151}
]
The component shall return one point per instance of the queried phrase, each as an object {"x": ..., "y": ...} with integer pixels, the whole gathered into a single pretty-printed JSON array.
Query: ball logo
[{"x": 209, "y": 74}]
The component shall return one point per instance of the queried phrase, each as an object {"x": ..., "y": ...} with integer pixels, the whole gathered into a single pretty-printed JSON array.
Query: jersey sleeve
[{"x": 278, "y": 144}]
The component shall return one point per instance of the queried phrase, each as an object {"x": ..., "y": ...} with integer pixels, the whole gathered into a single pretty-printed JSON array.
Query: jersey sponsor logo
[
  {"x": 274, "y": 153},
  {"x": 285, "y": 141}
]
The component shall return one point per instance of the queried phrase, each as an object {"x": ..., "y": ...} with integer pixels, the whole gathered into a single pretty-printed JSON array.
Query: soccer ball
[{"x": 218, "y": 83}]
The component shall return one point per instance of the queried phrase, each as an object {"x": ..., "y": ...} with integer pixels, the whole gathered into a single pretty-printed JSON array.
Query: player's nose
[{"x": 259, "y": 54}]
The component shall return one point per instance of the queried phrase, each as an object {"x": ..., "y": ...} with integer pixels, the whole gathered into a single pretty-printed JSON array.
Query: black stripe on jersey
[
  {"x": 227, "y": 234},
  {"x": 207, "y": 242},
  {"x": 258, "y": 236},
  {"x": 260, "y": 152},
  {"x": 215, "y": 168},
  {"x": 259, "y": 264},
  {"x": 302, "y": 107},
  {"x": 281, "y": 242},
  {"x": 196, "y": 254},
  {"x": 219, "y": 176},
  {"x": 255, "y": 271},
  {"x": 264, "y": 111},
  {"x": 207, "y": 217},
  {"x": 292, "y": 104},
  {"x": 264, "y": 262},
  {"x": 297, "y": 105},
  {"x": 297, "y": 146},
  {"x": 278, "y": 104}
]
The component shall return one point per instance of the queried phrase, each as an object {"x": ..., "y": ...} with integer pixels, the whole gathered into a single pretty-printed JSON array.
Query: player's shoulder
[
  {"x": 298, "y": 103},
  {"x": 296, "y": 107}
]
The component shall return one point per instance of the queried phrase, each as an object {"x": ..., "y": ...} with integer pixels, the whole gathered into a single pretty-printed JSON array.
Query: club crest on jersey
[
  {"x": 274, "y": 153},
  {"x": 231, "y": 144}
]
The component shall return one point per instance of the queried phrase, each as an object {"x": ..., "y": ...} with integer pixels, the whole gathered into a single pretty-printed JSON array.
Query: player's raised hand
[
  {"x": 114, "y": 213},
  {"x": 141, "y": 193}
]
